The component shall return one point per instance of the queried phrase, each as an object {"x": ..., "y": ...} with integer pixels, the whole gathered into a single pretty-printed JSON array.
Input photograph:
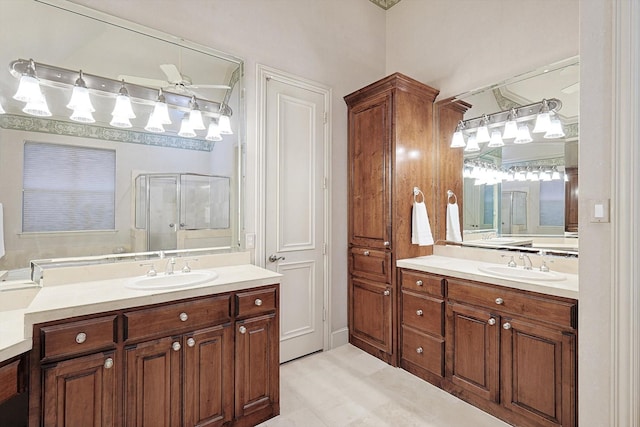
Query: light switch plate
[
  {"x": 250, "y": 241},
  {"x": 599, "y": 210}
]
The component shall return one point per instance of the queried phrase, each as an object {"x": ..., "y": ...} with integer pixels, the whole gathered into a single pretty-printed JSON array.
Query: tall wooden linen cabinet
[{"x": 391, "y": 151}]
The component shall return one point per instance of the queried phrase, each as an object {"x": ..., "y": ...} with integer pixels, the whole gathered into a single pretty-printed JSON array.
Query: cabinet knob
[
  {"x": 108, "y": 363},
  {"x": 184, "y": 317},
  {"x": 366, "y": 253},
  {"x": 507, "y": 325},
  {"x": 419, "y": 350},
  {"x": 176, "y": 346},
  {"x": 491, "y": 321},
  {"x": 499, "y": 301},
  {"x": 387, "y": 244},
  {"x": 242, "y": 330},
  {"x": 419, "y": 282},
  {"x": 419, "y": 312},
  {"x": 258, "y": 302},
  {"x": 386, "y": 293},
  {"x": 191, "y": 342},
  {"x": 81, "y": 337}
]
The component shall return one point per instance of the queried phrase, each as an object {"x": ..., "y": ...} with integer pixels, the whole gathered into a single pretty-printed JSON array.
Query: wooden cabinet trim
[{"x": 74, "y": 338}]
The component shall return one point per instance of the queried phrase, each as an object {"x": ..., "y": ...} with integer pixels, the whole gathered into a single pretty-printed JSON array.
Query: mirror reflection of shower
[
  {"x": 514, "y": 212},
  {"x": 181, "y": 211}
]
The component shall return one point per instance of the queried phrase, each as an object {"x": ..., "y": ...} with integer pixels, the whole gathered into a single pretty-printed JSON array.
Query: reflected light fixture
[
  {"x": 186, "y": 131},
  {"x": 122, "y": 111},
  {"x": 458, "y": 139},
  {"x": 80, "y": 102},
  {"x": 496, "y": 139},
  {"x": 224, "y": 122},
  {"x": 483, "y": 131},
  {"x": 555, "y": 128},
  {"x": 161, "y": 110},
  {"x": 29, "y": 87},
  {"x": 195, "y": 115},
  {"x": 555, "y": 174},
  {"x": 472, "y": 144},
  {"x": 213, "y": 133},
  {"x": 511, "y": 127},
  {"x": 154, "y": 125},
  {"x": 543, "y": 119},
  {"x": 37, "y": 107},
  {"x": 523, "y": 135}
]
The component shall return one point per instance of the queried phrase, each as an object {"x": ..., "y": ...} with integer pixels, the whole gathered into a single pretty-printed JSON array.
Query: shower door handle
[{"x": 172, "y": 225}]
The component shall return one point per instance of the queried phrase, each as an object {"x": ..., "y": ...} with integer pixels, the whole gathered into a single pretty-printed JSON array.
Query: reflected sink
[
  {"x": 521, "y": 273},
  {"x": 170, "y": 281}
]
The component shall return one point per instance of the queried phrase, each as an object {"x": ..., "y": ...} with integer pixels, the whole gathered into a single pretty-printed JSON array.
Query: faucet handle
[
  {"x": 152, "y": 271},
  {"x": 186, "y": 268},
  {"x": 512, "y": 262}
]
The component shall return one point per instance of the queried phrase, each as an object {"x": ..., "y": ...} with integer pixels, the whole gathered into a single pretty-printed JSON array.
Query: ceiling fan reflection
[{"x": 175, "y": 81}]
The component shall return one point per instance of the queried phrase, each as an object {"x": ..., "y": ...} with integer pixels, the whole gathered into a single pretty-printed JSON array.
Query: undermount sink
[
  {"x": 169, "y": 281},
  {"x": 521, "y": 273}
]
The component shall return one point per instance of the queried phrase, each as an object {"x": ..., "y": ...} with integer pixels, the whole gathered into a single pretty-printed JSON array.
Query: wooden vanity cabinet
[
  {"x": 391, "y": 147},
  {"x": 571, "y": 200}
]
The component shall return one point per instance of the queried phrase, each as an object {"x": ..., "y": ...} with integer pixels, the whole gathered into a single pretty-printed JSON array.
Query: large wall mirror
[
  {"x": 80, "y": 180},
  {"x": 524, "y": 192}
]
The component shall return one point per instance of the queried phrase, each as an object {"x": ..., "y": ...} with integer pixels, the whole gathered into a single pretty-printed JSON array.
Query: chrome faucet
[
  {"x": 526, "y": 262},
  {"x": 170, "y": 264},
  {"x": 511, "y": 262}
]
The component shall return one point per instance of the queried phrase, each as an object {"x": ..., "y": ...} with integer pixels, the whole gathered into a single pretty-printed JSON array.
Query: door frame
[{"x": 264, "y": 73}]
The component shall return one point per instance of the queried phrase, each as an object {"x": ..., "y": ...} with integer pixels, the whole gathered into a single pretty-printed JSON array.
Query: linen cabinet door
[
  {"x": 208, "y": 376},
  {"x": 539, "y": 373},
  {"x": 152, "y": 383},
  {"x": 80, "y": 392},
  {"x": 472, "y": 350},
  {"x": 370, "y": 313}
]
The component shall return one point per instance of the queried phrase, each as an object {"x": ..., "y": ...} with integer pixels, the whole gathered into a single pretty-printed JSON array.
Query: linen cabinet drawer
[
  {"x": 422, "y": 282},
  {"x": 82, "y": 336},
  {"x": 255, "y": 302},
  {"x": 371, "y": 264},
  {"x": 175, "y": 318},
  {"x": 556, "y": 311},
  {"x": 423, "y": 350},
  {"x": 423, "y": 313}
]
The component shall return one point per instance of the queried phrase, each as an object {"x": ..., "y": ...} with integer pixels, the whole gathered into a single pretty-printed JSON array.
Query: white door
[{"x": 295, "y": 130}]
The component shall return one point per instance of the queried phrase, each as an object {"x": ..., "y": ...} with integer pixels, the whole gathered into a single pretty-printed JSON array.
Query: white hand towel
[
  {"x": 453, "y": 223},
  {"x": 1, "y": 233},
  {"x": 420, "y": 228}
]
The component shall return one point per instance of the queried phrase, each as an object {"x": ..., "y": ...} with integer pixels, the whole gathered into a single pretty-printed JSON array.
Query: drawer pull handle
[
  {"x": 419, "y": 312},
  {"x": 499, "y": 301},
  {"x": 419, "y": 350},
  {"x": 258, "y": 302},
  {"x": 243, "y": 330},
  {"x": 184, "y": 317},
  {"x": 419, "y": 282},
  {"x": 191, "y": 342},
  {"x": 176, "y": 346},
  {"x": 108, "y": 363},
  {"x": 81, "y": 337},
  {"x": 491, "y": 321},
  {"x": 386, "y": 293},
  {"x": 507, "y": 326},
  {"x": 366, "y": 253}
]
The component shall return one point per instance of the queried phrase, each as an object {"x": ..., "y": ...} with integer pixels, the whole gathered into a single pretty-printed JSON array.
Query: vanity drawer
[
  {"x": 422, "y": 282},
  {"x": 423, "y": 313},
  {"x": 423, "y": 350},
  {"x": 555, "y": 310},
  {"x": 82, "y": 336},
  {"x": 255, "y": 302},
  {"x": 175, "y": 318},
  {"x": 371, "y": 264}
]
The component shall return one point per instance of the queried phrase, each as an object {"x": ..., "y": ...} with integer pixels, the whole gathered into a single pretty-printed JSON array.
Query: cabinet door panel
[
  {"x": 257, "y": 364},
  {"x": 536, "y": 364},
  {"x": 80, "y": 392},
  {"x": 370, "y": 313},
  {"x": 472, "y": 350},
  {"x": 152, "y": 384},
  {"x": 208, "y": 377}
]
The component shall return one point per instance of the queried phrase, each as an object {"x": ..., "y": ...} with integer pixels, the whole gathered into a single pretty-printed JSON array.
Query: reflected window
[
  {"x": 68, "y": 188},
  {"x": 552, "y": 203}
]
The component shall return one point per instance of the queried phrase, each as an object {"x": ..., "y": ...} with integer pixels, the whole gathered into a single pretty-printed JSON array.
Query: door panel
[{"x": 370, "y": 313}]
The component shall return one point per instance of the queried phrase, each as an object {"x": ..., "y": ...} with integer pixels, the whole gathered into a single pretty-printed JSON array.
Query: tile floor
[{"x": 347, "y": 387}]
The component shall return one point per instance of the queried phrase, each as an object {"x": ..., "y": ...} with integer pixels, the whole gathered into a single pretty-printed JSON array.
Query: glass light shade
[
  {"x": 195, "y": 120},
  {"x": 457, "y": 140},
  {"x": 123, "y": 108},
  {"x": 213, "y": 133},
  {"x": 82, "y": 116},
  {"x": 466, "y": 172},
  {"x": 542, "y": 123},
  {"x": 153, "y": 124},
  {"x": 531, "y": 176},
  {"x": 545, "y": 176},
  {"x": 120, "y": 122},
  {"x": 80, "y": 100},
  {"x": 483, "y": 134},
  {"x": 38, "y": 107},
  {"x": 510, "y": 176},
  {"x": 472, "y": 144},
  {"x": 224, "y": 123},
  {"x": 496, "y": 139},
  {"x": 161, "y": 113},
  {"x": 555, "y": 129},
  {"x": 186, "y": 130},
  {"x": 28, "y": 89},
  {"x": 519, "y": 176},
  {"x": 510, "y": 130},
  {"x": 555, "y": 175},
  {"x": 523, "y": 135}
]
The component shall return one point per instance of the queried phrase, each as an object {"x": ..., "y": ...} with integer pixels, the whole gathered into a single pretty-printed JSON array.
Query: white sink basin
[
  {"x": 170, "y": 281},
  {"x": 521, "y": 273}
]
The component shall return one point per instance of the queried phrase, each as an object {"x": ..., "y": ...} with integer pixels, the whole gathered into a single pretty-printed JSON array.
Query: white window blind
[{"x": 68, "y": 188}]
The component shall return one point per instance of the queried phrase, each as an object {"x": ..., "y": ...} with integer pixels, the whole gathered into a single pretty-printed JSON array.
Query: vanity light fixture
[
  {"x": 555, "y": 175},
  {"x": 482, "y": 134},
  {"x": 186, "y": 130},
  {"x": 523, "y": 136},
  {"x": 80, "y": 102},
  {"x": 195, "y": 115},
  {"x": 213, "y": 133},
  {"x": 543, "y": 120},
  {"x": 555, "y": 128},
  {"x": 496, "y": 139},
  {"x": 37, "y": 107},
  {"x": 472, "y": 144},
  {"x": 511, "y": 127},
  {"x": 122, "y": 111},
  {"x": 458, "y": 139},
  {"x": 29, "y": 87},
  {"x": 161, "y": 110},
  {"x": 154, "y": 124}
]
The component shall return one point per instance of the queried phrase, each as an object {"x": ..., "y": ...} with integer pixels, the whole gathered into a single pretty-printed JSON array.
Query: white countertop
[
  {"x": 469, "y": 269},
  {"x": 63, "y": 301}
]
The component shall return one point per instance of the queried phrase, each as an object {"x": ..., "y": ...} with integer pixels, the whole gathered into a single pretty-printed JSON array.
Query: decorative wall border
[{"x": 59, "y": 127}]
